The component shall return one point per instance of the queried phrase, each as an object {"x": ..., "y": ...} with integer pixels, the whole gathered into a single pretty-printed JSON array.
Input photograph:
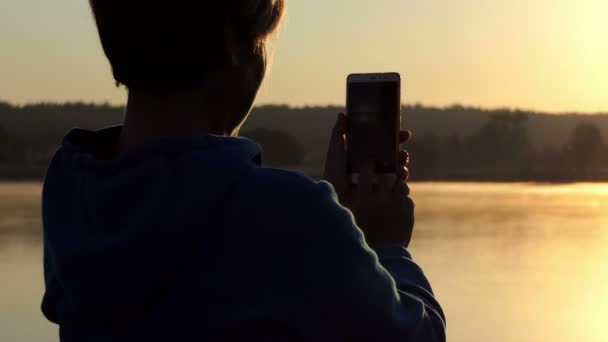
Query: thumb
[
  {"x": 335, "y": 163},
  {"x": 336, "y": 144}
]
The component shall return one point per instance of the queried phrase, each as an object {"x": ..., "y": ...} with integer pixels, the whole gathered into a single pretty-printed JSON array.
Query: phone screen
[{"x": 373, "y": 110}]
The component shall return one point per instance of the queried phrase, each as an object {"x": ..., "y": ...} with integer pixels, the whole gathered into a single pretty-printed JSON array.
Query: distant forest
[{"x": 451, "y": 143}]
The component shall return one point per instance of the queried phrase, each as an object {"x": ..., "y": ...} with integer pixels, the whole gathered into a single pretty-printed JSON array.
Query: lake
[{"x": 509, "y": 262}]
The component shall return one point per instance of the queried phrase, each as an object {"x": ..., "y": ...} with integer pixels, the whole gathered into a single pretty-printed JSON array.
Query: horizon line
[{"x": 454, "y": 105}]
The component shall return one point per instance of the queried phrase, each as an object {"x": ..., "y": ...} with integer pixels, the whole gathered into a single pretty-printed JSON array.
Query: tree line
[
  {"x": 452, "y": 143},
  {"x": 501, "y": 149}
]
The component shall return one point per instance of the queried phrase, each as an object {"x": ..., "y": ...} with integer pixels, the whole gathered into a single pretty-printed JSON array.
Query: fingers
[
  {"x": 404, "y": 158},
  {"x": 386, "y": 181},
  {"x": 339, "y": 128},
  {"x": 366, "y": 180},
  {"x": 403, "y": 173},
  {"x": 335, "y": 164},
  {"x": 404, "y": 136},
  {"x": 401, "y": 195},
  {"x": 401, "y": 190},
  {"x": 337, "y": 147}
]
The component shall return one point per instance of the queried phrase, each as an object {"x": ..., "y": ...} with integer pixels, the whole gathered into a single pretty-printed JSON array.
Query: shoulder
[
  {"x": 280, "y": 196},
  {"x": 270, "y": 182}
]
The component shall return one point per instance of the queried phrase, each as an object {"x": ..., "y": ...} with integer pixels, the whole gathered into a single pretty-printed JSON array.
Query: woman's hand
[{"x": 384, "y": 211}]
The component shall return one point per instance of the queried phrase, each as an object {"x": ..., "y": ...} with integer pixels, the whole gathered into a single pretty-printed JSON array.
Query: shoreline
[{"x": 31, "y": 180}]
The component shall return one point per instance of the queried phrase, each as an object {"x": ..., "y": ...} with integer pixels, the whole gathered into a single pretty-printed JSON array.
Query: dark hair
[{"x": 177, "y": 44}]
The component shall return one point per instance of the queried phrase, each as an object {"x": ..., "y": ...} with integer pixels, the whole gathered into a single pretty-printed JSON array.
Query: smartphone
[{"x": 373, "y": 109}]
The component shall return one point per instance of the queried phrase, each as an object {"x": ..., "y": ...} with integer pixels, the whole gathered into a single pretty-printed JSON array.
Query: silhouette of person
[{"x": 167, "y": 227}]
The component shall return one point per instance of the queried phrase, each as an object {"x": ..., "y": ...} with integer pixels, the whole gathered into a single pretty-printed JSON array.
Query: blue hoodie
[{"x": 192, "y": 240}]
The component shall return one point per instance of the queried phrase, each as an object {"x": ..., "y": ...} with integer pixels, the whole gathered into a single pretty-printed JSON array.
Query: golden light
[{"x": 588, "y": 43}]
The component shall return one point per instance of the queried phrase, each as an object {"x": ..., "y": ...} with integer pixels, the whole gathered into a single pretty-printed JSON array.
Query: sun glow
[
  {"x": 592, "y": 307},
  {"x": 588, "y": 43},
  {"x": 547, "y": 55}
]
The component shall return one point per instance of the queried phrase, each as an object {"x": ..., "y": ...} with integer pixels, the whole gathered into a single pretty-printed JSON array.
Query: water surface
[{"x": 509, "y": 262}]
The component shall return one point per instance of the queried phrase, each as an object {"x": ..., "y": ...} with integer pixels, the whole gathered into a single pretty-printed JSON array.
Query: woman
[{"x": 167, "y": 228}]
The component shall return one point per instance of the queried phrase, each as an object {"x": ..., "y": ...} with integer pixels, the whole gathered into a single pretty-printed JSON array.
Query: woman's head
[{"x": 168, "y": 46}]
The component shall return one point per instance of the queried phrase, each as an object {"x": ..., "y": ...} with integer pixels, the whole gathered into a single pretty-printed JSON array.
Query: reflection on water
[
  {"x": 19, "y": 213},
  {"x": 517, "y": 262},
  {"x": 509, "y": 262}
]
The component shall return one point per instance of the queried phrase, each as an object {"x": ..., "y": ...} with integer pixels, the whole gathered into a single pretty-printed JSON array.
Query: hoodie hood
[{"x": 119, "y": 232}]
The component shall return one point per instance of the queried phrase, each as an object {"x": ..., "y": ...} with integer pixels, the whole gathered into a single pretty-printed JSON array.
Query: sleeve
[
  {"x": 53, "y": 293},
  {"x": 356, "y": 293}
]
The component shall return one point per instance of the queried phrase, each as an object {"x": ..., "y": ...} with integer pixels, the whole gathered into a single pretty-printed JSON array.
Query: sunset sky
[{"x": 549, "y": 55}]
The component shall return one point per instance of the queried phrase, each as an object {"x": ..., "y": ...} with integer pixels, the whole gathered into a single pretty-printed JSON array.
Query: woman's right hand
[{"x": 384, "y": 212}]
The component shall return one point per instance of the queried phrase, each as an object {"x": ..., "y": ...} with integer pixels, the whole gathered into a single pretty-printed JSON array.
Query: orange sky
[{"x": 548, "y": 55}]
